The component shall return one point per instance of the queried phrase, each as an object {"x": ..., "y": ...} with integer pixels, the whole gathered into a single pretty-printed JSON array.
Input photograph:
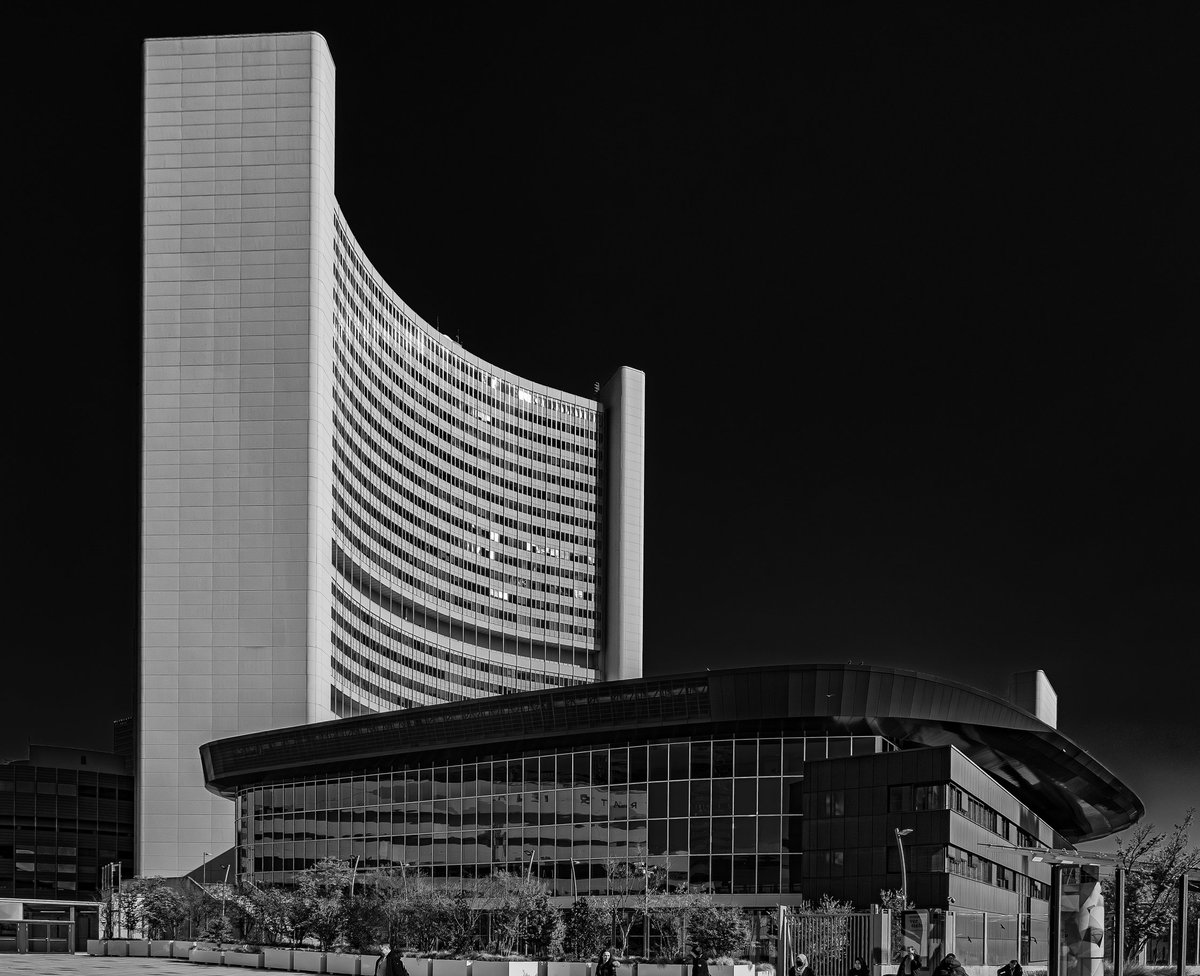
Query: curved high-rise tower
[{"x": 344, "y": 511}]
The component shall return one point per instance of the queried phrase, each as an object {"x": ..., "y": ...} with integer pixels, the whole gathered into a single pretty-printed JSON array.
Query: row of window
[
  {"x": 723, "y": 874},
  {"x": 348, "y": 700},
  {"x": 587, "y": 556},
  {"x": 47, "y": 784},
  {"x": 607, "y": 766},
  {"x": 964, "y": 864},
  {"x": 365, "y": 357},
  {"x": 948, "y": 796},
  {"x": 398, "y": 490},
  {"x": 362, "y": 283},
  {"x": 486, "y": 676},
  {"x": 396, "y": 432},
  {"x": 677, "y": 799},
  {"x": 443, "y": 557},
  {"x": 429, "y": 652},
  {"x": 391, "y": 500},
  {"x": 698, "y": 835},
  {"x": 471, "y": 632}
]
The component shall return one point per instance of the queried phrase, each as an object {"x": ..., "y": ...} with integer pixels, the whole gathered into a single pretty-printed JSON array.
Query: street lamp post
[
  {"x": 903, "y": 868},
  {"x": 574, "y": 883}
]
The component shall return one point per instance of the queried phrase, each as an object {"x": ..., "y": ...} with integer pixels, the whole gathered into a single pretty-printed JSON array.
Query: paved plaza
[{"x": 36, "y": 964}]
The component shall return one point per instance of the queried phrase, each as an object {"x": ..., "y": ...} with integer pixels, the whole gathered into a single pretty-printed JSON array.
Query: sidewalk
[{"x": 36, "y": 964}]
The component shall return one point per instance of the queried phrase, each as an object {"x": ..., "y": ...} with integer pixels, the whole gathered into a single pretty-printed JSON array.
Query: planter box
[
  {"x": 161, "y": 948},
  {"x": 625, "y": 969},
  {"x": 417, "y": 966},
  {"x": 343, "y": 963},
  {"x": 308, "y": 960},
  {"x": 181, "y": 949},
  {"x": 277, "y": 959},
  {"x": 115, "y": 948},
  {"x": 139, "y": 948},
  {"x": 96, "y": 947},
  {"x": 568, "y": 969},
  {"x": 670, "y": 969},
  {"x": 442, "y": 967},
  {"x": 210, "y": 957},
  {"x": 251, "y": 960},
  {"x": 480, "y": 967},
  {"x": 746, "y": 969}
]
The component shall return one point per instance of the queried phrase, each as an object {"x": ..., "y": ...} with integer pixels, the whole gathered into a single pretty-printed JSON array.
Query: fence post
[
  {"x": 781, "y": 946},
  {"x": 881, "y": 932},
  {"x": 1181, "y": 967}
]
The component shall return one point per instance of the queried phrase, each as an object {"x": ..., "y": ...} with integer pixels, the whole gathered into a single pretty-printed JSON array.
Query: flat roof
[{"x": 1057, "y": 779}]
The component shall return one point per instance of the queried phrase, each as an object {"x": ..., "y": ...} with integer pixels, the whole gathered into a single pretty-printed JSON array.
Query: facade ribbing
[{"x": 344, "y": 511}]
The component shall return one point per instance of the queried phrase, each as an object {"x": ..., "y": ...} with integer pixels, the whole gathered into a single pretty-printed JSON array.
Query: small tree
[
  {"x": 512, "y": 899},
  {"x": 464, "y": 910},
  {"x": 671, "y": 914},
  {"x": 629, "y": 884},
  {"x": 154, "y": 905},
  {"x": 219, "y": 930},
  {"x": 322, "y": 893},
  {"x": 269, "y": 912},
  {"x": 587, "y": 928},
  {"x": 1154, "y": 863},
  {"x": 718, "y": 930},
  {"x": 544, "y": 928},
  {"x": 364, "y": 920}
]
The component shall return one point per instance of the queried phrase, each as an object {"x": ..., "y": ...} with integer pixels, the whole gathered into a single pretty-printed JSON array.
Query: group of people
[{"x": 909, "y": 965}]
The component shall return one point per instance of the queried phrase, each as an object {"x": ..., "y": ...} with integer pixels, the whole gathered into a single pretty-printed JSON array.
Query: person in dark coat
[
  {"x": 607, "y": 966},
  {"x": 699, "y": 964},
  {"x": 391, "y": 965},
  {"x": 859, "y": 968},
  {"x": 909, "y": 963},
  {"x": 802, "y": 968},
  {"x": 949, "y": 966},
  {"x": 1013, "y": 968}
]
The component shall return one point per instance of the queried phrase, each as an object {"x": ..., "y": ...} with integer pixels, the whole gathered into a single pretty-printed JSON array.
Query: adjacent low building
[
  {"x": 765, "y": 785},
  {"x": 64, "y": 815}
]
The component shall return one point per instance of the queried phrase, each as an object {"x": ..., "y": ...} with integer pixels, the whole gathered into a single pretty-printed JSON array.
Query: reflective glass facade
[{"x": 714, "y": 811}]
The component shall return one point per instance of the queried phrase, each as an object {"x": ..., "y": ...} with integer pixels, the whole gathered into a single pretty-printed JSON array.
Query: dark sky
[{"x": 910, "y": 284}]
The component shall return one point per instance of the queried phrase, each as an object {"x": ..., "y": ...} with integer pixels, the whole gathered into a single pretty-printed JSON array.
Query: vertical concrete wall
[
  {"x": 238, "y": 157},
  {"x": 624, "y": 396}
]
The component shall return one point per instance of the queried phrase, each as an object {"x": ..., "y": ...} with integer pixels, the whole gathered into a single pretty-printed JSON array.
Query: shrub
[
  {"x": 586, "y": 930},
  {"x": 219, "y": 930},
  {"x": 719, "y": 931}
]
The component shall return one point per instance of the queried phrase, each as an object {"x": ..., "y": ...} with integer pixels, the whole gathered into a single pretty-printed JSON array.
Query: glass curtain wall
[{"x": 723, "y": 813}]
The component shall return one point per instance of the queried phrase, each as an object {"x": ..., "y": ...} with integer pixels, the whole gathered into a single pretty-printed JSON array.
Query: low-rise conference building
[{"x": 763, "y": 785}]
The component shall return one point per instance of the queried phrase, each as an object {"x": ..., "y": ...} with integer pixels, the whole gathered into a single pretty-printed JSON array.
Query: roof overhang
[{"x": 1040, "y": 766}]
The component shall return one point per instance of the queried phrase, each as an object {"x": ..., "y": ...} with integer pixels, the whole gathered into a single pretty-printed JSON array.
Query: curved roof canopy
[{"x": 1040, "y": 766}]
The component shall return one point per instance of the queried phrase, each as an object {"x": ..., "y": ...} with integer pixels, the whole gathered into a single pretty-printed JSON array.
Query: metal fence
[{"x": 832, "y": 941}]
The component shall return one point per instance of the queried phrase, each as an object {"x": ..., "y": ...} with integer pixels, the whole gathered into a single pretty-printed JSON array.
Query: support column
[
  {"x": 1181, "y": 928},
  {"x": 1119, "y": 928},
  {"x": 1054, "y": 962}
]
